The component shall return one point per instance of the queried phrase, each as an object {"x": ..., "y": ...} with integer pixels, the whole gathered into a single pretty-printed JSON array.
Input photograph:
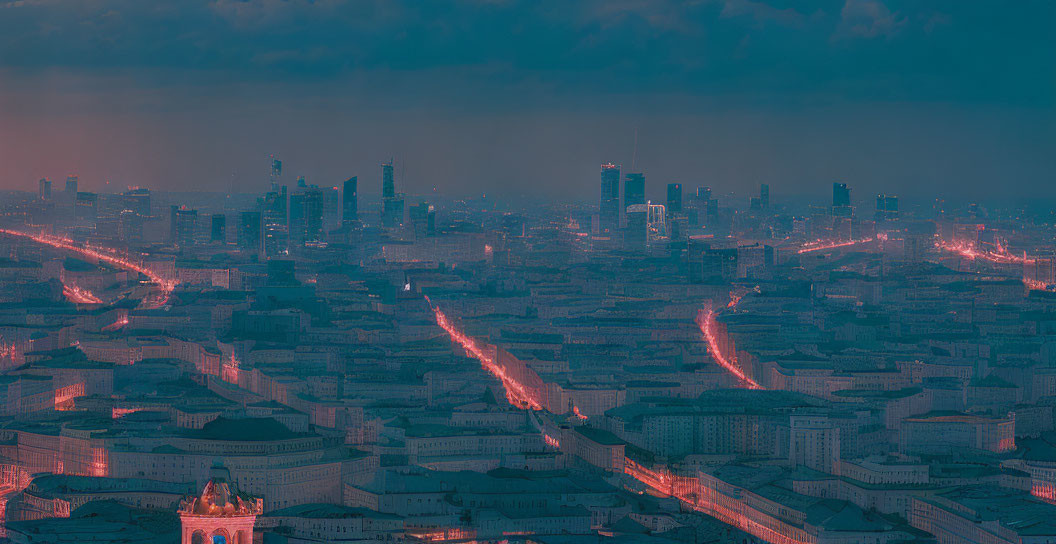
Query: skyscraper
[
  {"x": 609, "y": 214},
  {"x": 186, "y": 226},
  {"x": 86, "y": 206},
  {"x": 633, "y": 189},
  {"x": 350, "y": 201},
  {"x": 886, "y": 207},
  {"x": 275, "y": 229},
  {"x": 841, "y": 195},
  {"x": 276, "y": 173},
  {"x": 391, "y": 203},
  {"x": 674, "y": 198},
  {"x": 218, "y": 228},
  {"x": 764, "y": 196},
  {"x": 388, "y": 182},
  {"x": 392, "y": 212},
  {"x": 137, "y": 200},
  {"x": 297, "y": 220},
  {"x": 44, "y": 188},
  {"x": 637, "y": 226},
  {"x": 331, "y": 207},
  {"x": 249, "y": 231},
  {"x": 841, "y": 200},
  {"x": 71, "y": 187},
  {"x": 129, "y": 226},
  {"x": 313, "y": 215},
  {"x": 423, "y": 219}
]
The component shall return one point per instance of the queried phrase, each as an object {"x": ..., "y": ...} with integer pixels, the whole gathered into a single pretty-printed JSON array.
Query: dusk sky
[{"x": 940, "y": 97}]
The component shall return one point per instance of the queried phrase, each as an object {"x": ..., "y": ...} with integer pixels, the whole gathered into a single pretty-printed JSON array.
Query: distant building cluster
[{"x": 313, "y": 364}]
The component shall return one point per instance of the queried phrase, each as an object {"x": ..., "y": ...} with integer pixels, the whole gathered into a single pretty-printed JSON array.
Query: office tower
[
  {"x": 764, "y": 196},
  {"x": 331, "y": 207},
  {"x": 297, "y": 226},
  {"x": 276, "y": 173},
  {"x": 218, "y": 228},
  {"x": 275, "y": 229},
  {"x": 886, "y": 207},
  {"x": 313, "y": 214},
  {"x": 392, "y": 212},
  {"x": 637, "y": 226},
  {"x": 249, "y": 231},
  {"x": 301, "y": 183},
  {"x": 350, "y": 201},
  {"x": 423, "y": 219},
  {"x": 841, "y": 195},
  {"x": 391, "y": 202},
  {"x": 609, "y": 213},
  {"x": 186, "y": 226},
  {"x": 674, "y": 198},
  {"x": 130, "y": 226},
  {"x": 633, "y": 189},
  {"x": 841, "y": 200},
  {"x": 44, "y": 188},
  {"x": 137, "y": 200},
  {"x": 388, "y": 182},
  {"x": 86, "y": 206},
  {"x": 71, "y": 188}
]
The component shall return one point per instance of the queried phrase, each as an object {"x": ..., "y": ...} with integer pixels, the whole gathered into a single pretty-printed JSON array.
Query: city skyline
[
  {"x": 527, "y": 272},
  {"x": 877, "y": 94}
]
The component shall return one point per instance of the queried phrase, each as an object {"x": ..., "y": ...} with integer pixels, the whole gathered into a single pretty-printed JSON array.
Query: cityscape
[{"x": 642, "y": 347}]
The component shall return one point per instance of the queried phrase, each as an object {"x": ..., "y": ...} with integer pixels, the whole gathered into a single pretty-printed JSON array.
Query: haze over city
[
  {"x": 898, "y": 95},
  {"x": 494, "y": 272}
]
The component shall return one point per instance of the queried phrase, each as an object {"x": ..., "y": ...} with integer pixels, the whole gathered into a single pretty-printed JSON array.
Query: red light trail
[
  {"x": 709, "y": 502},
  {"x": 78, "y": 295},
  {"x": 516, "y": 393},
  {"x": 706, "y": 322},
  {"x": 1000, "y": 256},
  {"x": 685, "y": 489},
  {"x": 821, "y": 246},
  {"x": 109, "y": 256},
  {"x": 121, "y": 322}
]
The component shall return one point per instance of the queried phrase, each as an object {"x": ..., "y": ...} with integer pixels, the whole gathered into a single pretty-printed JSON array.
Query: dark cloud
[
  {"x": 477, "y": 94},
  {"x": 931, "y": 50}
]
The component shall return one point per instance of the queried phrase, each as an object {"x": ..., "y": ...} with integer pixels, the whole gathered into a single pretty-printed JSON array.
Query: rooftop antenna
[{"x": 634, "y": 156}]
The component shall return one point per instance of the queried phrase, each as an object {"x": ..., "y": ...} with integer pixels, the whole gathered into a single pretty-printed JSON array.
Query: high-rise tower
[
  {"x": 276, "y": 173},
  {"x": 633, "y": 189},
  {"x": 609, "y": 214},
  {"x": 350, "y": 201},
  {"x": 388, "y": 182},
  {"x": 841, "y": 200},
  {"x": 391, "y": 203},
  {"x": 674, "y": 198}
]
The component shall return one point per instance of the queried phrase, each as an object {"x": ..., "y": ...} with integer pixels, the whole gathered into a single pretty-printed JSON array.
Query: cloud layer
[{"x": 981, "y": 75}]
